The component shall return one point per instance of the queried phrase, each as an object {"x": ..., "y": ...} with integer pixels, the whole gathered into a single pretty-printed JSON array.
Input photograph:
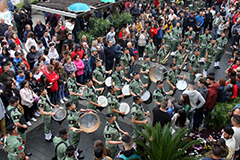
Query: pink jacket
[{"x": 80, "y": 66}]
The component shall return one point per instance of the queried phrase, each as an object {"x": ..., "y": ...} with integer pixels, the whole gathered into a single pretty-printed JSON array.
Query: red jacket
[
  {"x": 212, "y": 96},
  {"x": 153, "y": 31},
  {"x": 156, "y": 2},
  {"x": 52, "y": 78},
  {"x": 234, "y": 90},
  {"x": 235, "y": 18},
  {"x": 80, "y": 53}
]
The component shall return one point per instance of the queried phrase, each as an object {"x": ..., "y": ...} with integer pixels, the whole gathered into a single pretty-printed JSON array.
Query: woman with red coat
[
  {"x": 233, "y": 81},
  {"x": 77, "y": 51},
  {"x": 153, "y": 33},
  {"x": 52, "y": 78}
]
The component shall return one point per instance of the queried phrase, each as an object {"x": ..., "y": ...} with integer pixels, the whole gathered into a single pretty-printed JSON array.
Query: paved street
[{"x": 42, "y": 150}]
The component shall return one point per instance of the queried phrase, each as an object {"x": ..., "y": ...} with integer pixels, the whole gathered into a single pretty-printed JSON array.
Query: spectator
[
  {"x": 2, "y": 116},
  {"x": 53, "y": 54},
  {"x": 52, "y": 19},
  {"x": 69, "y": 25},
  {"x": 68, "y": 41},
  {"x": 27, "y": 30},
  {"x": 13, "y": 38},
  {"x": 27, "y": 6},
  {"x": 86, "y": 49},
  {"x": 122, "y": 33},
  {"x": 37, "y": 73},
  {"x": 110, "y": 55},
  {"x": 30, "y": 41},
  {"x": 39, "y": 29},
  {"x": 227, "y": 134},
  {"x": 191, "y": 21},
  {"x": 7, "y": 32},
  {"x": 100, "y": 43},
  {"x": 32, "y": 56},
  {"x": 9, "y": 91},
  {"x": 19, "y": 78},
  {"x": 111, "y": 36},
  {"x": 200, "y": 18},
  {"x": 87, "y": 63},
  {"x": 61, "y": 33},
  {"x": 222, "y": 91},
  {"x": 216, "y": 22},
  {"x": 45, "y": 38},
  {"x": 118, "y": 52},
  {"x": 5, "y": 56},
  {"x": 106, "y": 151},
  {"x": 3, "y": 27},
  {"x": 216, "y": 153},
  {"x": 185, "y": 101},
  {"x": 94, "y": 56},
  {"x": 179, "y": 120},
  {"x": 25, "y": 61},
  {"x": 69, "y": 66},
  {"x": 234, "y": 88},
  {"x": 101, "y": 54},
  {"x": 6, "y": 73},
  {"x": 78, "y": 51},
  {"x": 98, "y": 154},
  {"x": 40, "y": 47},
  {"x": 17, "y": 58},
  {"x": 236, "y": 128},
  {"x": 80, "y": 66}
]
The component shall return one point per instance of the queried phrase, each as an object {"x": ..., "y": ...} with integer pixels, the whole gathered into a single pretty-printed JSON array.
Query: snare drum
[
  {"x": 125, "y": 91},
  {"x": 146, "y": 96},
  {"x": 81, "y": 90},
  {"x": 108, "y": 81},
  {"x": 124, "y": 107},
  {"x": 89, "y": 121},
  {"x": 181, "y": 85},
  {"x": 103, "y": 101},
  {"x": 60, "y": 113}
]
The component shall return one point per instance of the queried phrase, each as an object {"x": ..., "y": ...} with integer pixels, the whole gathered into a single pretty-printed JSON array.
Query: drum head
[
  {"x": 145, "y": 95},
  {"x": 82, "y": 90},
  {"x": 125, "y": 90},
  {"x": 89, "y": 121},
  {"x": 124, "y": 107},
  {"x": 108, "y": 81},
  {"x": 157, "y": 73},
  {"x": 181, "y": 85},
  {"x": 198, "y": 77},
  {"x": 60, "y": 115},
  {"x": 103, "y": 101}
]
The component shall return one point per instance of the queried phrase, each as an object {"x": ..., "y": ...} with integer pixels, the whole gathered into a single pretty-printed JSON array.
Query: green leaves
[{"x": 164, "y": 145}]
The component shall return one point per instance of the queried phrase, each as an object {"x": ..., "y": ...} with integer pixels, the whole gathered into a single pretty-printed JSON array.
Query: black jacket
[{"x": 109, "y": 52}]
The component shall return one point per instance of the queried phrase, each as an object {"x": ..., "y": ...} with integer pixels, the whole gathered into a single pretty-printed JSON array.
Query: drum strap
[
  {"x": 120, "y": 78},
  {"x": 115, "y": 127},
  {"x": 100, "y": 70}
]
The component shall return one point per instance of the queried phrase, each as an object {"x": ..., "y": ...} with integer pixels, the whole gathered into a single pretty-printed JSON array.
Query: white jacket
[
  {"x": 69, "y": 26},
  {"x": 30, "y": 42},
  {"x": 27, "y": 96}
]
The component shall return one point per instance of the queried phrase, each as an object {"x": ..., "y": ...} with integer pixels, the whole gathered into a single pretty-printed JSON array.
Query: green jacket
[{"x": 61, "y": 149}]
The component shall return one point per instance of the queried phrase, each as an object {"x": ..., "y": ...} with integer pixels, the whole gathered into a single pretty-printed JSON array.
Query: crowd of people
[{"x": 43, "y": 65}]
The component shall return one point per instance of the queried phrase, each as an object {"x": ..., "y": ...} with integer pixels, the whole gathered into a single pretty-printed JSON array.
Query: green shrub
[{"x": 89, "y": 36}]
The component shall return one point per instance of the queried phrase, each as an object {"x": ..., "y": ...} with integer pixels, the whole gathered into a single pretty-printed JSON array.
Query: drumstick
[
  {"x": 125, "y": 108},
  {"x": 58, "y": 109},
  {"x": 103, "y": 101}
]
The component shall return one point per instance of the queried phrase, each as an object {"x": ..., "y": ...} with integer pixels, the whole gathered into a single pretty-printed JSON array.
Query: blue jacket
[
  {"x": 117, "y": 50},
  {"x": 199, "y": 19},
  {"x": 10, "y": 5},
  {"x": 45, "y": 44},
  {"x": 38, "y": 30},
  {"x": 87, "y": 65},
  {"x": 222, "y": 94},
  {"x": 160, "y": 33},
  {"x": 19, "y": 79}
]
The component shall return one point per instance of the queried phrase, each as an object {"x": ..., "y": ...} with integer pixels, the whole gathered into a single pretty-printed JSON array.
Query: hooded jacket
[
  {"x": 53, "y": 78},
  {"x": 203, "y": 91},
  {"x": 212, "y": 95},
  {"x": 80, "y": 53},
  {"x": 194, "y": 97}
]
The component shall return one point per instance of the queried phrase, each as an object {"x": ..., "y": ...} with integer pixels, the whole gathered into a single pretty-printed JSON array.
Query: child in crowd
[
  {"x": 10, "y": 64},
  {"x": 25, "y": 61},
  {"x": 19, "y": 78},
  {"x": 87, "y": 69},
  {"x": 37, "y": 73},
  {"x": 21, "y": 66},
  {"x": 171, "y": 106},
  {"x": 17, "y": 58}
]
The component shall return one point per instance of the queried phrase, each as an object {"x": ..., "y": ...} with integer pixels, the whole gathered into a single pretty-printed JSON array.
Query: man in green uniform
[
  {"x": 191, "y": 33},
  {"x": 221, "y": 44},
  {"x": 61, "y": 143},
  {"x": 203, "y": 41},
  {"x": 146, "y": 66},
  {"x": 209, "y": 56},
  {"x": 125, "y": 62},
  {"x": 99, "y": 75},
  {"x": 161, "y": 54},
  {"x": 69, "y": 153},
  {"x": 178, "y": 58},
  {"x": 74, "y": 130},
  {"x": 167, "y": 39},
  {"x": 190, "y": 5},
  {"x": 136, "y": 85},
  {"x": 44, "y": 105},
  {"x": 187, "y": 45},
  {"x": 176, "y": 36},
  {"x": 193, "y": 65},
  {"x": 113, "y": 104},
  {"x": 149, "y": 49},
  {"x": 159, "y": 94},
  {"x": 91, "y": 95},
  {"x": 172, "y": 77},
  {"x": 138, "y": 116},
  {"x": 15, "y": 116},
  {"x": 14, "y": 144},
  {"x": 118, "y": 79},
  {"x": 72, "y": 88},
  {"x": 111, "y": 134}
]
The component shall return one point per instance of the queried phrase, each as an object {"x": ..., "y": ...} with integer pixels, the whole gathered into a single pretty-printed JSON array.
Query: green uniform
[
  {"x": 201, "y": 4},
  {"x": 72, "y": 86},
  {"x": 61, "y": 149},
  {"x": 150, "y": 50},
  {"x": 111, "y": 133},
  {"x": 16, "y": 144},
  {"x": 221, "y": 43},
  {"x": 158, "y": 95},
  {"x": 44, "y": 103},
  {"x": 176, "y": 37},
  {"x": 178, "y": 57},
  {"x": 146, "y": 78},
  {"x": 118, "y": 79},
  {"x": 135, "y": 86},
  {"x": 210, "y": 56},
  {"x": 188, "y": 44},
  {"x": 167, "y": 38},
  {"x": 196, "y": 5},
  {"x": 113, "y": 103},
  {"x": 172, "y": 77},
  {"x": 161, "y": 54},
  {"x": 137, "y": 112},
  {"x": 91, "y": 95},
  {"x": 72, "y": 119},
  {"x": 68, "y": 158},
  {"x": 125, "y": 59},
  {"x": 194, "y": 64},
  {"x": 100, "y": 74},
  {"x": 190, "y": 5},
  {"x": 192, "y": 33},
  {"x": 205, "y": 39},
  {"x": 16, "y": 115}
]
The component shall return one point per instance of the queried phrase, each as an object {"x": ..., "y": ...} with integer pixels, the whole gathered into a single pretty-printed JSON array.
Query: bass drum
[
  {"x": 158, "y": 72},
  {"x": 89, "y": 121},
  {"x": 60, "y": 115},
  {"x": 146, "y": 96}
]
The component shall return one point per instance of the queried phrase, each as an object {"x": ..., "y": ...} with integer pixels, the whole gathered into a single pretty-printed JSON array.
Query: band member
[
  {"x": 161, "y": 54},
  {"x": 146, "y": 66},
  {"x": 136, "y": 85},
  {"x": 149, "y": 49},
  {"x": 45, "y": 105},
  {"x": 118, "y": 78},
  {"x": 99, "y": 75},
  {"x": 172, "y": 77},
  {"x": 138, "y": 116},
  {"x": 125, "y": 62},
  {"x": 91, "y": 95},
  {"x": 113, "y": 104},
  {"x": 73, "y": 89},
  {"x": 178, "y": 58},
  {"x": 221, "y": 44},
  {"x": 209, "y": 56},
  {"x": 204, "y": 41},
  {"x": 74, "y": 129},
  {"x": 176, "y": 36},
  {"x": 187, "y": 45},
  {"x": 159, "y": 94},
  {"x": 190, "y": 32},
  {"x": 193, "y": 65},
  {"x": 111, "y": 134},
  {"x": 167, "y": 39}
]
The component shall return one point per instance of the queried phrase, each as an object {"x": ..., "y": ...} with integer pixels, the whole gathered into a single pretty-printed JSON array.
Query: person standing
[
  {"x": 193, "y": 65},
  {"x": 216, "y": 22},
  {"x": 178, "y": 58},
  {"x": 125, "y": 62},
  {"x": 111, "y": 36},
  {"x": 161, "y": 54},
  {"x": 3, "y": 27},
  {"x": 111, "y": 134},
  {"x": 136, "y": 85},
  {"x": 61, "y": 143},
  {"x": 149, "y": 49},
  {"x": 146, "y": 66},
  {"x": 138, "y": 116},
  {"x": 209, "y": 56},
  {"x": 110, "y": 55},
  {"x": 38, "y": 29},
  {"x": 176, "y": 36},
  {"x": 44, "y": 105},
  {"x": 204, "y": 41},
  {"x": 167, "y": 39},
  {"x": 221, "y": 44}
]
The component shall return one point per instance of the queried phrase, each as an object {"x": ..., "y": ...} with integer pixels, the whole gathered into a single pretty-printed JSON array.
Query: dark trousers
[
  {"x": 28, "y": 114},
  {"x": 198, "y": 117},
  {"x": 141, "y": 50},
  {"x": 109, "y": 64},
  {"x": 54, "y": 97}
]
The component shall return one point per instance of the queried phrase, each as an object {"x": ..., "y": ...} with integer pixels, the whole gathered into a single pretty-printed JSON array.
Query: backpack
[
  {"x": 229, "y": 91},
  {"x": 55, "y": 156}
]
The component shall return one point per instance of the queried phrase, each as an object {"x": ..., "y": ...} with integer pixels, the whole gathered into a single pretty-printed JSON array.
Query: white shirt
[
  {"x": 236, "y": 135},
  {"x": 170, "y": 16}
]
